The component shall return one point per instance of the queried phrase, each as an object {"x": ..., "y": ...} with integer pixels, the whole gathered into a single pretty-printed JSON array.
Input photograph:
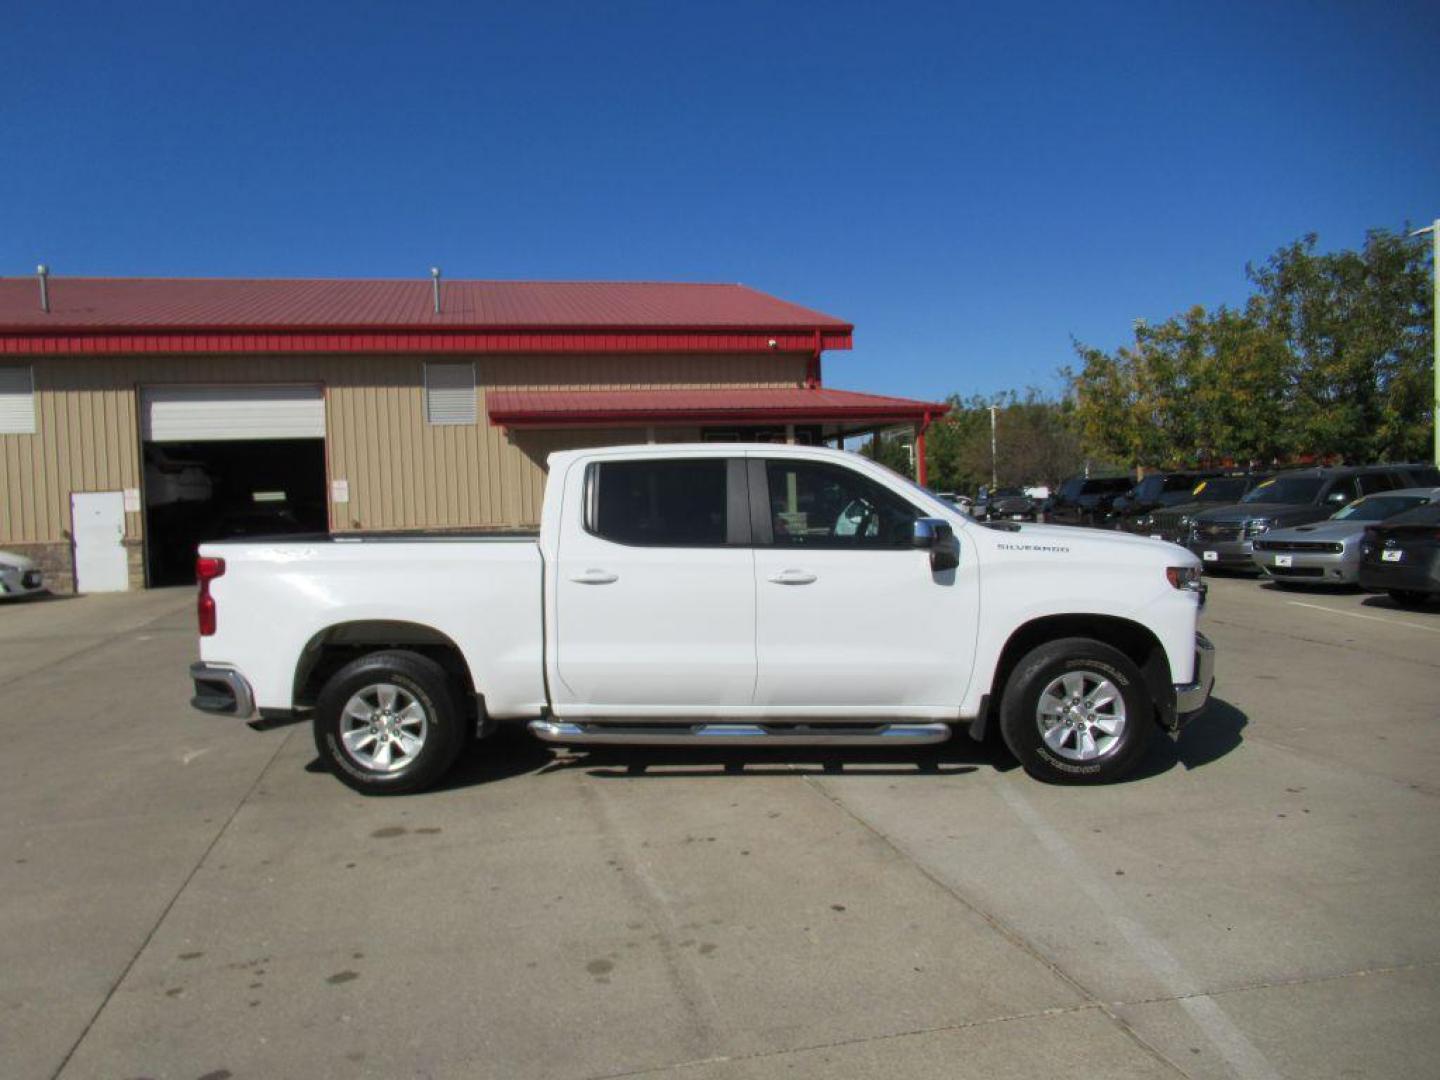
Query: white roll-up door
[{"x": 227, "y": 413}]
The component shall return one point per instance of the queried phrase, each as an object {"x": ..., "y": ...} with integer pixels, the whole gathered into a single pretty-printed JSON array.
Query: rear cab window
[{"x": 661, "y": 503}]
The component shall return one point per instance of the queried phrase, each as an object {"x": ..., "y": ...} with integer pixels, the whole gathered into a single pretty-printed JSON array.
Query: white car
[
  {"x": 19, "y": 576},
  {"x": 711, "y": 594}
]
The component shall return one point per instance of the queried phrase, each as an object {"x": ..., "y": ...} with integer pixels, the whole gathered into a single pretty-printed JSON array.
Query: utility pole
[
  {"x": 1434, "y": 230},
  {"x": 994, "y": 483}
]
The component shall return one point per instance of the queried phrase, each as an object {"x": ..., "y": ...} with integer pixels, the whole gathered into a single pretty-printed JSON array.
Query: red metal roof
[
  {"x": 201, "y": 303},
  {"x": 120, "y": 315},
  {"x": 788, "y": 404}
]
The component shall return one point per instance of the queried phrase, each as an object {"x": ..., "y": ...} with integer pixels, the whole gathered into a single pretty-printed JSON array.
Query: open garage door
[
  {"x": 228, "y": 462},
  {"x": 228, "y": 413}
]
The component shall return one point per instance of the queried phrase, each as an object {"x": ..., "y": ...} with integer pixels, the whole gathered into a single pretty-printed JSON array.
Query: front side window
[
  {"x": 825, "y": 506},
  {"x": 675, "y": 503}
]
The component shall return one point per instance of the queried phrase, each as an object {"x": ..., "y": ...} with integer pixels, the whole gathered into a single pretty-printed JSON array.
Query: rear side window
[
  {"x": 658, "y": 503},
  {"x": 1373, "y": 482}
]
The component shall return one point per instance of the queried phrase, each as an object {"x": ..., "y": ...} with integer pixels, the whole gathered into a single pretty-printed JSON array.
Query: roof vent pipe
[
  {"x": 43, "y": 273},
  {"x": 435, "y": 286}
]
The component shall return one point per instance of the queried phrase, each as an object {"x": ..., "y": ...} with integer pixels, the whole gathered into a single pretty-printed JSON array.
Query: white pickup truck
[{"x": 710, "y": 595}]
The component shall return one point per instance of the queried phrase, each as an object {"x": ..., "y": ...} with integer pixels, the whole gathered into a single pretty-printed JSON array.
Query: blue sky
[{"x": 970, "y": 185}]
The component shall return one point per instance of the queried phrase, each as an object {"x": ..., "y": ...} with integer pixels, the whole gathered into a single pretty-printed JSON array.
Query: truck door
[
  {"x": 849, "y": 615},
  {"x": 655, "y": 590}
]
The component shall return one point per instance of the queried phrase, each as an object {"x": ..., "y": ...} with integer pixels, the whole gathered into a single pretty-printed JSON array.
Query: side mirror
[{"x": 938, "y": 538}]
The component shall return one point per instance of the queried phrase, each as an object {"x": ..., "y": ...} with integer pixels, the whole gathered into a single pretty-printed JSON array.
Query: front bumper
[
  {"x": 221, "y": 690},
  {"x": 1309, "y": 567},
  {"x": 1224, "y": 553},
  {"x": 1412, "y": 574},
  {"x": 1191, "y": 698},
  {"x": 21, "y": 582}
]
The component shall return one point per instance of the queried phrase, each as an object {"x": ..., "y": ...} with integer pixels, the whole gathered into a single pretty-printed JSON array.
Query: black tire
[
  {"x": 1020, "y": 703},
  {"x": 1409, "y": 598},
  {"x": 430, "y": 687}
]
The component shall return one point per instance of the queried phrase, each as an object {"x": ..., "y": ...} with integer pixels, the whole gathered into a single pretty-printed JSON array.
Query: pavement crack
[
  {"x": 1281, "y": 984},
  {"x": 169, "y": 906},
  {"x": 860, "y": 1040}
]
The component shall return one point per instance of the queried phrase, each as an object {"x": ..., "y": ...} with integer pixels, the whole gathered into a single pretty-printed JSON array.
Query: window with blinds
[
  {"x": 17, "y": 401},
  {"x": 450, "y": 393}
]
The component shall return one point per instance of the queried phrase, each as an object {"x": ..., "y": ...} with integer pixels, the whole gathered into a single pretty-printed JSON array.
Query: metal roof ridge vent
[
  {"x": 435, "y": 286},
  {"x": 43, "y": 273}
]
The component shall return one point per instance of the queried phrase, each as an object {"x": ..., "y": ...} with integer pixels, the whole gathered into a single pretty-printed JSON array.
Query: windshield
[
  {"x": 1286, "y": 489},
  {"x": 1378, "y": 507},
  {"x": 1225, "y": 489}
]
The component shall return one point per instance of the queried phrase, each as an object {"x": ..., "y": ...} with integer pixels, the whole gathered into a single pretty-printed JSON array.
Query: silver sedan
[{"x": 1328, "y": 552}]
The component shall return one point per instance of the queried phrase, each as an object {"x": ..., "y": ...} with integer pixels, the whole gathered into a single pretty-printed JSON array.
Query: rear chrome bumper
[
  {"x": 1192, "y": 697},
  {"x": 221, "y": 690},
  {"x": 712, "y": 734}
]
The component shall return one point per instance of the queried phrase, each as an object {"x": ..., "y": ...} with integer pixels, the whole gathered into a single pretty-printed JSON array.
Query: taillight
[{"x": 207, "y": 569}]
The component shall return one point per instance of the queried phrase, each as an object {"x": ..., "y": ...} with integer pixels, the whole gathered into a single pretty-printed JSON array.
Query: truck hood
[{"x": 1101, "y": 544}]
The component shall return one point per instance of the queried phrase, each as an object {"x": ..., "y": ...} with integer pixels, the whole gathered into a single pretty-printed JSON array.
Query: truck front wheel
[
  {"x": 1076, "y": 711},
  {"x": 388, "y": 723}
]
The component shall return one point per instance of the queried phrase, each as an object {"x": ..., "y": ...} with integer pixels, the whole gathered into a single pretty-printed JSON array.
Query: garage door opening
[
  {"x": 225, "y": 462},
  {"x": 225, "y": 490}
]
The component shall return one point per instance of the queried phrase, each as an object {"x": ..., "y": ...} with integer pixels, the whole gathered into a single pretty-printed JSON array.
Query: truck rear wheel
[
  {"x": 389, "y": 723},
  {"x": 1076, "y": 711}
]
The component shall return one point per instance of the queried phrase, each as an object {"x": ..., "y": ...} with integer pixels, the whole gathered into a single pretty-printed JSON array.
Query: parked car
[
  {"x": 1328, "y": 552},
  {"x": 1154, "y": 492},
  {"x": 1086, "y": 501},
  {"x": 707, "y": 595},
  {"x": 1173, "y": 522},
  {"x": 1011, "y": 504},
  {"x": 19, "y": 576},
  {"x": 1224, "y": 536},
  {"x": 1401, "y": 556}
]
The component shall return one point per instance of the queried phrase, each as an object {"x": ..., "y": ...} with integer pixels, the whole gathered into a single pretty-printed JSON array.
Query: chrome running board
[{"x": 712, "y": 734}]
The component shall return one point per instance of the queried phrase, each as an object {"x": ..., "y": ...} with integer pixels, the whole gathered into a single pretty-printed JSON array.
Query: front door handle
[
  {"x": 793, "y": 577},
  {"x": 595, "y": 577}
]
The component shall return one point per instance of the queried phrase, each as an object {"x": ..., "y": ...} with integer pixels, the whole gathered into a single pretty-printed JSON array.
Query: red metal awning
[{"x": 782, "y": 405}]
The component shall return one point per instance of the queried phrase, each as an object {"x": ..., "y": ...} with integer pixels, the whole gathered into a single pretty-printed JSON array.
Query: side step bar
[{"x": 571, "y": 733}]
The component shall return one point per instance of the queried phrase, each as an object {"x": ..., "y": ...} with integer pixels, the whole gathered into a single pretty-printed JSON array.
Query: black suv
[
  {"x": 1133, "y": 511},
  {"x": 1224, "y": 536},
  {"x": 1086, "y": 501}
]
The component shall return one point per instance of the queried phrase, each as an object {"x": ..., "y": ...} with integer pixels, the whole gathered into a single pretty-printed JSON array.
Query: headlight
[
  {"x": 1184, "y": 577},
  {"x": 7, "y": 568},
  {"x": 1258, "y": 526},
  {"x": 1145, "y": 521}
]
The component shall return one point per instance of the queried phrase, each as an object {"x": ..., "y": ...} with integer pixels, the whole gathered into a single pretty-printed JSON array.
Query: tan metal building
[{"x": 140, "y": 416}]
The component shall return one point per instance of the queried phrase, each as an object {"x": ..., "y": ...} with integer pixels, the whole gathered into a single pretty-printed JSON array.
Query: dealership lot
[{"x": 185, "y": 897}]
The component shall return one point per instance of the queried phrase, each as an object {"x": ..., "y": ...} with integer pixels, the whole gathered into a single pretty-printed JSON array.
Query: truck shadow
[
  {"x": 513, "y": 752},
  {"x": 1208, "y": 739}
]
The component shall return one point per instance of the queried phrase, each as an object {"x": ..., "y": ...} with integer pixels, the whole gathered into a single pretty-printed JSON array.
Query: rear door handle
[
  {"x": 793, "y": 577},
  {"x": 595, "y": 577}
]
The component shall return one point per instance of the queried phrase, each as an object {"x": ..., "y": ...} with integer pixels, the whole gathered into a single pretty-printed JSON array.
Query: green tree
[{"x": 1359, "y": 329}]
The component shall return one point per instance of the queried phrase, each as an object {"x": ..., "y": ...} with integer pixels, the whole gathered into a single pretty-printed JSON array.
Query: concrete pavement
[{"x": 184, "y": 897}]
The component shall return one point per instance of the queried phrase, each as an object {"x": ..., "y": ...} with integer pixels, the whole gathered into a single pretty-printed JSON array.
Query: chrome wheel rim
[
  {"x": 1081, "y": 715},
  {"x": 383, "y": 727}
]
